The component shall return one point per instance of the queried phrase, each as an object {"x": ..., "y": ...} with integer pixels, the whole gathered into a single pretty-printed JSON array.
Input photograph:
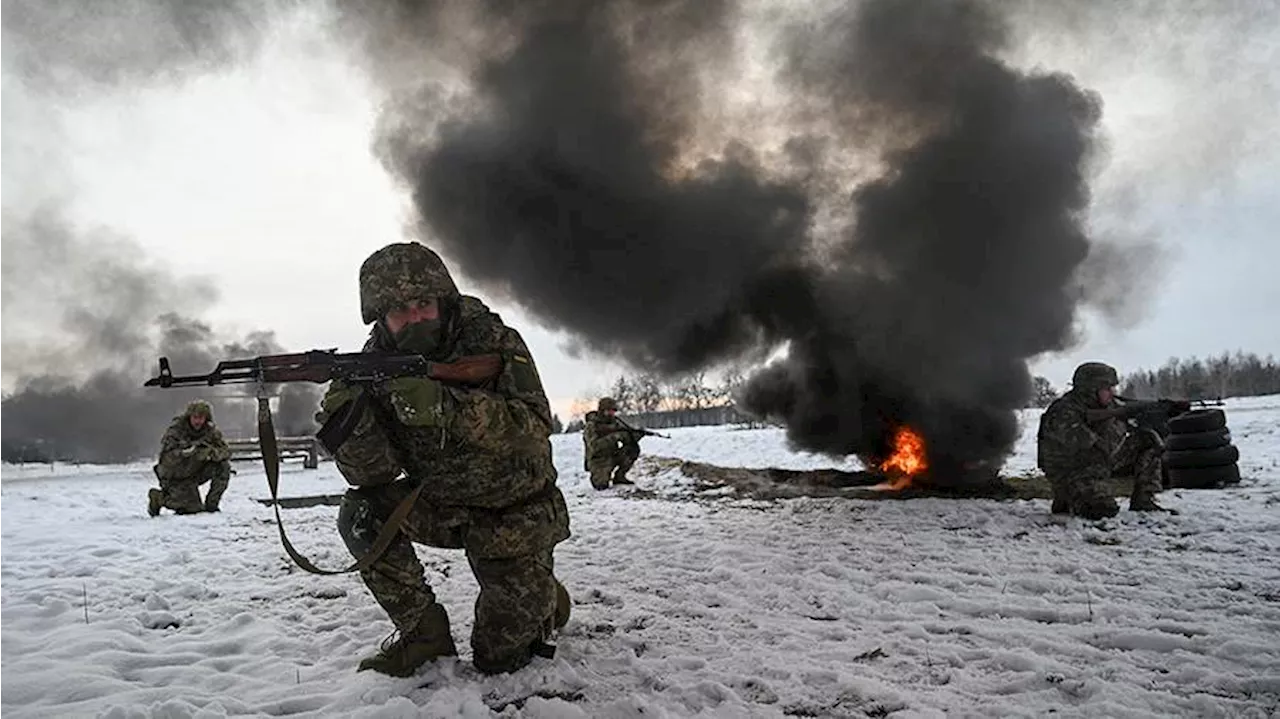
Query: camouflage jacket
[
  {"x": 185, "y": 450},
  {"x": 1068, "y": 442},
  {"x": 484, "y": 447},
  {"x": 601, "y": 435}
]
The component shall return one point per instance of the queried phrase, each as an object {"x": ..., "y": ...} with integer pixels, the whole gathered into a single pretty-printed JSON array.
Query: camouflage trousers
[
  {"x": 608, "y": 466},
  {"x": 1085, "y": 491},
  {"x": 183, "y": 495},
  {"x": 514, "y": 613}
]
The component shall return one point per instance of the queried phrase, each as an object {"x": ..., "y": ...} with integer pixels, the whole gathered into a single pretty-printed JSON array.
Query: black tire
[
  {"x": 1198, "y": 420},
  {"x": 1205, "y": 477},
  {"x": 1195, "y": 458},
  {"x": 1198, "y": 440}
]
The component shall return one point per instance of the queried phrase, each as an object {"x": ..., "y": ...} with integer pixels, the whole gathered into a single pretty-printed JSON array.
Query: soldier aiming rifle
[
  {"x": 1091, "y": 433},
  {"x": 442, "y": 428},
  {"x": 610, "y": 445}
]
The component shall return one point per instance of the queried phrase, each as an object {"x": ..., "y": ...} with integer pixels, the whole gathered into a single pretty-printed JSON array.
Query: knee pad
[{"x": 357, "y": 523}]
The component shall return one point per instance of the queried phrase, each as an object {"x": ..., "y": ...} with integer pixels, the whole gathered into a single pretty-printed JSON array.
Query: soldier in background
[
  {"x": 610, "y": 447},
  {"x": 481, "y": 458},
  {"x": 1084, "y": 440},
  {"x": 192, "y": 452}
]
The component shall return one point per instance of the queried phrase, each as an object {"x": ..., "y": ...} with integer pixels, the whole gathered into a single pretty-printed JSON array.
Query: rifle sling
[{"x": 271, "y": 463}]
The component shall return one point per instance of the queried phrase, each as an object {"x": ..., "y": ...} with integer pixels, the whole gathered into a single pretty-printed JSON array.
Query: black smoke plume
[
  {"x": 570, "y": 188},
  {"x": 567, "y": 192},
  {"x": 960, "y": 263}
]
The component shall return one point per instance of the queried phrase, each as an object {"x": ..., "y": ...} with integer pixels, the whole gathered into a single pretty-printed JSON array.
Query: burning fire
[{"x": 906, "y": 461}]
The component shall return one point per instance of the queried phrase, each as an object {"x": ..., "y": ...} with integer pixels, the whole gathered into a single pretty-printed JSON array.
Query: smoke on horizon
[
  {"x": 78, "y": 392},
  {"x": 86, "y": 313}
]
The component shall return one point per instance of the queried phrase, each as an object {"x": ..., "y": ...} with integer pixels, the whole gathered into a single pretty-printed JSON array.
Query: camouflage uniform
[
  {"x": 189, "y": 457},
  {"x": 484, "y": 459},
  {"x": 1079, "y": 456},
  {"x": 609, "y": 448}
]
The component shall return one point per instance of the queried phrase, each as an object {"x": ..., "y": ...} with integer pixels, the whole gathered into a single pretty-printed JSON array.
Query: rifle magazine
[{"x": 340, "y": 425}]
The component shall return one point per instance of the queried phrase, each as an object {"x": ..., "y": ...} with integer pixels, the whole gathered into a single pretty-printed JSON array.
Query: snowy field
[{"x": 684, "y": 605}]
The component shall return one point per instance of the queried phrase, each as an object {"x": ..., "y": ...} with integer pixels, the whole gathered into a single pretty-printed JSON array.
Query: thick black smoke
[
  {"x": 570, "y": 189},
  {"x": 961, "y": 262},
  {"x": 78, "y": 392},
  {"x": 569, "y": 193}
]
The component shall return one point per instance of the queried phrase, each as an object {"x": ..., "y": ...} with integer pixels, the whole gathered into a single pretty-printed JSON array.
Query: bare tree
[
  {"x": 730, "y": 382},
  {"x": 692, "y": 391},
  {"x": 648, "y": 393},
  {"x": 1227, "y": 375},
  {"x": 1042, "y": 393},
  {"x": 624, "y": 393}
]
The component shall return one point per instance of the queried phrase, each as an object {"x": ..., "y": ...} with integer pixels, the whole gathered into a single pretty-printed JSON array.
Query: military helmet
[
  {"x": 1095, "y": 376},
  {"x": 199, "y": 407},
  {"x": 607, "y": 403},
  {"x": 399, "y": 273}
]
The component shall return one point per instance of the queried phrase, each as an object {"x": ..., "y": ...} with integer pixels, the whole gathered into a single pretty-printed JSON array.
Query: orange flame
[{"x": 907, "y": 460}]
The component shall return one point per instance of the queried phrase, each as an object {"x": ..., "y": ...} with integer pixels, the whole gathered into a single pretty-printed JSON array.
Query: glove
[{"x": 417, "y": 401}]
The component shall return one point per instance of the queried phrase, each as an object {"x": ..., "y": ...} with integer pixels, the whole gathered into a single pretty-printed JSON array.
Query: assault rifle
[
  {"x": 321, "y": 366},
  {"x": 639, "y": 432},
  {"x": 1148, "y": 414}
]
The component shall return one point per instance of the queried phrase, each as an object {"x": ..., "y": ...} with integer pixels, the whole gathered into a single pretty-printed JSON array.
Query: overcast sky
[{"x": 259, "y": 177}]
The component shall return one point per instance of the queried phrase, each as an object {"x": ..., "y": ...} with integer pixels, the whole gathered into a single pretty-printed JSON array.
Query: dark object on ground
[
  {"x": 772, "y": 483},
  {"x": 1205, "y": 477},
  {"x": 1198, "y": 451},
  {"x": 1198, "y": 420},
  {"x": 315, "y": 500},
  {"x": 1199, "y": 440}
]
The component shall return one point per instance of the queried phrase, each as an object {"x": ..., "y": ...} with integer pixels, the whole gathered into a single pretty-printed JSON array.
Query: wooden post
[{"x": 313, "y": 455}]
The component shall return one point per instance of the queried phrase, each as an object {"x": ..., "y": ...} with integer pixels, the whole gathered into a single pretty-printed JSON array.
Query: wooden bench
[{"x": 305, "y": 448}]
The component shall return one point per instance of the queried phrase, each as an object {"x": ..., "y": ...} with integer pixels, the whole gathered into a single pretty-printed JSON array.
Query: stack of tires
[{"x": 1198, "y": 451}]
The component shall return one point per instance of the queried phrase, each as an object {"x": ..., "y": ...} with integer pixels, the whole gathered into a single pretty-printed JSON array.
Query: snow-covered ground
[{"x": 713, "y": 608}]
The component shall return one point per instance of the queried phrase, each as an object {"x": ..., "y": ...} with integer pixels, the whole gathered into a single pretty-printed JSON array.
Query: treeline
[
  {"x": 638, "y": 394},
  {"x": 647, "y": 393},
  {"x": 1227, "y": 375}
]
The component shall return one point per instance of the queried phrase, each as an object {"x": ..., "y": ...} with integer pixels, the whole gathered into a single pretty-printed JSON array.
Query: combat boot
[
  {"x": 564, "y": 605},
  {"x": 1148, "y": 504},
  {"x": 155, "y": 501},
  {"x": 620, "y": 477},
  {"x": 402, "y": 655}
]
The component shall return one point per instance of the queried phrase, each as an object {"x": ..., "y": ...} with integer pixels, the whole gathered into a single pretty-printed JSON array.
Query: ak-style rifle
[{"x": 322, "y": 366}]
